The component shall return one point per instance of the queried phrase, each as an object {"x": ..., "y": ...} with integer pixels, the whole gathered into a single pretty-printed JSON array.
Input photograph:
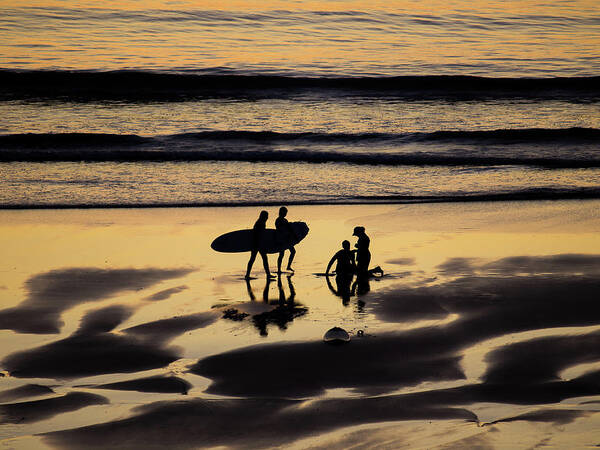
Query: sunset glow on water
[{"x": 524, "y": 38}]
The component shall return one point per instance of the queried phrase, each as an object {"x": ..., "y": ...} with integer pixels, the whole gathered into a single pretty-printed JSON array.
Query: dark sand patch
[
  {"x": 565, "y": 264},
  {"x": 561, "y": 264},
  {"x": 307, "y": 369},
  {"x": 80, "y": 355},
  {"x": 457, "y": 266},
  {"x": 104, "y": 320},
  {"x": 161, "y": 331},
  {"x": 92, "y": 350},
  {"x": 401, "y": 261},
  {"x": 257, "y": 423},
  {"x": 34, "y": 411},
  {"x": 267, "y": 422},
  {"x": 487, "y": 307},
  {"x": 402, "y": 305},
  {"x": 165, "y": 294},
  {"x": 51, "y": 293},
  {"x": 491, "y": 306},
  {"x": 554, "y": 416},
  {"x": 541, "y": 359},
  {"x": 160, "y": 384},
  {"x": 246, "y": 423},
  {"x": 26, "y": 391}
]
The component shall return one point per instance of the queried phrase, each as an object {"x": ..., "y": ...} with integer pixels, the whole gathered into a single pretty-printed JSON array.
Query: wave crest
[{"x": 147, "y": 85}]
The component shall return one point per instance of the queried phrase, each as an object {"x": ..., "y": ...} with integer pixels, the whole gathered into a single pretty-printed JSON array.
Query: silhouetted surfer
[
  {"x": 345, "y": 261},
  {"x": 285, "y": 233},
  {"x": 363, "y": 255},
  {"x": 345, "y": 269},
  {"x": 257, "y": 234}
]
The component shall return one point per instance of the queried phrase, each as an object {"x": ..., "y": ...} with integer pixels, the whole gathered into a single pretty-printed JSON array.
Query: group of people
[
  {"x": 285, "y": 233},
  {"x": 349, "y": 262},
  {"x": 347, "y": 265}
]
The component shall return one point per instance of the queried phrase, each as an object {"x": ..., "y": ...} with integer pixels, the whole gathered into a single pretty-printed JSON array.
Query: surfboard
[{"x": 241, "y": 240}]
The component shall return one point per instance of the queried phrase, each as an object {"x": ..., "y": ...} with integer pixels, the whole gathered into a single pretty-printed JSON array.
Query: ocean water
[{"x": 164, "y": 103}]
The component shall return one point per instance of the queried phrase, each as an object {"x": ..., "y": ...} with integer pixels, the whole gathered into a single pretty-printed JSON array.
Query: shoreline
[{"x": 405, "y": 200}]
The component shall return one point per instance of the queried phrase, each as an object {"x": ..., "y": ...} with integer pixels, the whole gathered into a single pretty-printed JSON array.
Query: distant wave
[
  {"x": 529, "y": 135},
  {"x": 147, "y": 85},
  {"x": 256, "y": 147},
  {"x": 62, "y": 140},
  {"x": 522, "y": 195}
]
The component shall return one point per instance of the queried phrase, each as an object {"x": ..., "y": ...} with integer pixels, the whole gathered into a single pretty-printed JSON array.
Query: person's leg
[
  {"x": 266, "y": 264},
  {"x": 280, "y": 260},
  {"x": 291, "y": 258},
  {"x": 251, "y": 262},
  {"x": 362, "y": 263},
  {"x": 377, "y": 269}
]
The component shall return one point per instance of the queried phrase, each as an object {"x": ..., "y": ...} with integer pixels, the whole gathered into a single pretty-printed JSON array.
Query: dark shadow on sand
[
  {"x": 166, "y": 293},
  {"x": 553, "y": 416},
  {"x": 34, "y": 411},
  {"x": 94, "y": 350},
  {"x": 243, "y": 423},
  {"x": 489, "y": 301},
  {"x": 307, "y": 369},
  {"x": 51, "y": 293},
  {"x": 159, "y": 384},
  {"x": 486, "y": 306},
  {"x": 26, "y": 391}
]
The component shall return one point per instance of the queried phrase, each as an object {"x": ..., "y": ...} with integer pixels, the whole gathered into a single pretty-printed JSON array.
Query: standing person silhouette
[
  {"x": 285, "y": 233},
  {"x": 257, "y": 234},
  {"x": 363, "y": 255}
]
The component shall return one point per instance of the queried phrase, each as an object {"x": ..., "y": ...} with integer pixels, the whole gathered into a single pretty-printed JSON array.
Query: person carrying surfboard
[
  {"x": 285, "y": 233},
  {"x": 257, "y": 234}
]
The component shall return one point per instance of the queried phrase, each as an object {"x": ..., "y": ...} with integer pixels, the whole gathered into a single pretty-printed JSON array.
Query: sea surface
[{"x": 181, "y": 103}]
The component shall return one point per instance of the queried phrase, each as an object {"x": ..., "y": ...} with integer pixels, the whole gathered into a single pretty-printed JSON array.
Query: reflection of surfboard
[
  {"x": 241, "y": 240},
  {"x": 336, "y": 335}
]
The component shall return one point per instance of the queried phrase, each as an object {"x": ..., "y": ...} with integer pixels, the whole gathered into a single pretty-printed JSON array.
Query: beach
[
  {"x": 464, "y": 138},
  {"x": 122, "y": 328}
]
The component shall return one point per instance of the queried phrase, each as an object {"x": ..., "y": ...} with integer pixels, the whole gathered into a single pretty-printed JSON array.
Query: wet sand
[{"x": 123, "y": 329}]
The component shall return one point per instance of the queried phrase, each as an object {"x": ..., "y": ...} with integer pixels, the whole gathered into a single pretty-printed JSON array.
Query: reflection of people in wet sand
[
  {"x": 285, "y": 312},
  {"x": 285, "y": 233},
  {"x": 292, "y": 296},
  {"x": 363, "y": 255},
  {"x": 265, "y": 290},
  {"x": 361, "y": 285},
  {"x": 342, "y": 289},
  {"x": 257, "y": 234}
]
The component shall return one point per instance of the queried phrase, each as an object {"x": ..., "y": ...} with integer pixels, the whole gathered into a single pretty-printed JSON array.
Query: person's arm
[
  {"x": 331, "y": 261},
  {"x": 330, "y": 286}
]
